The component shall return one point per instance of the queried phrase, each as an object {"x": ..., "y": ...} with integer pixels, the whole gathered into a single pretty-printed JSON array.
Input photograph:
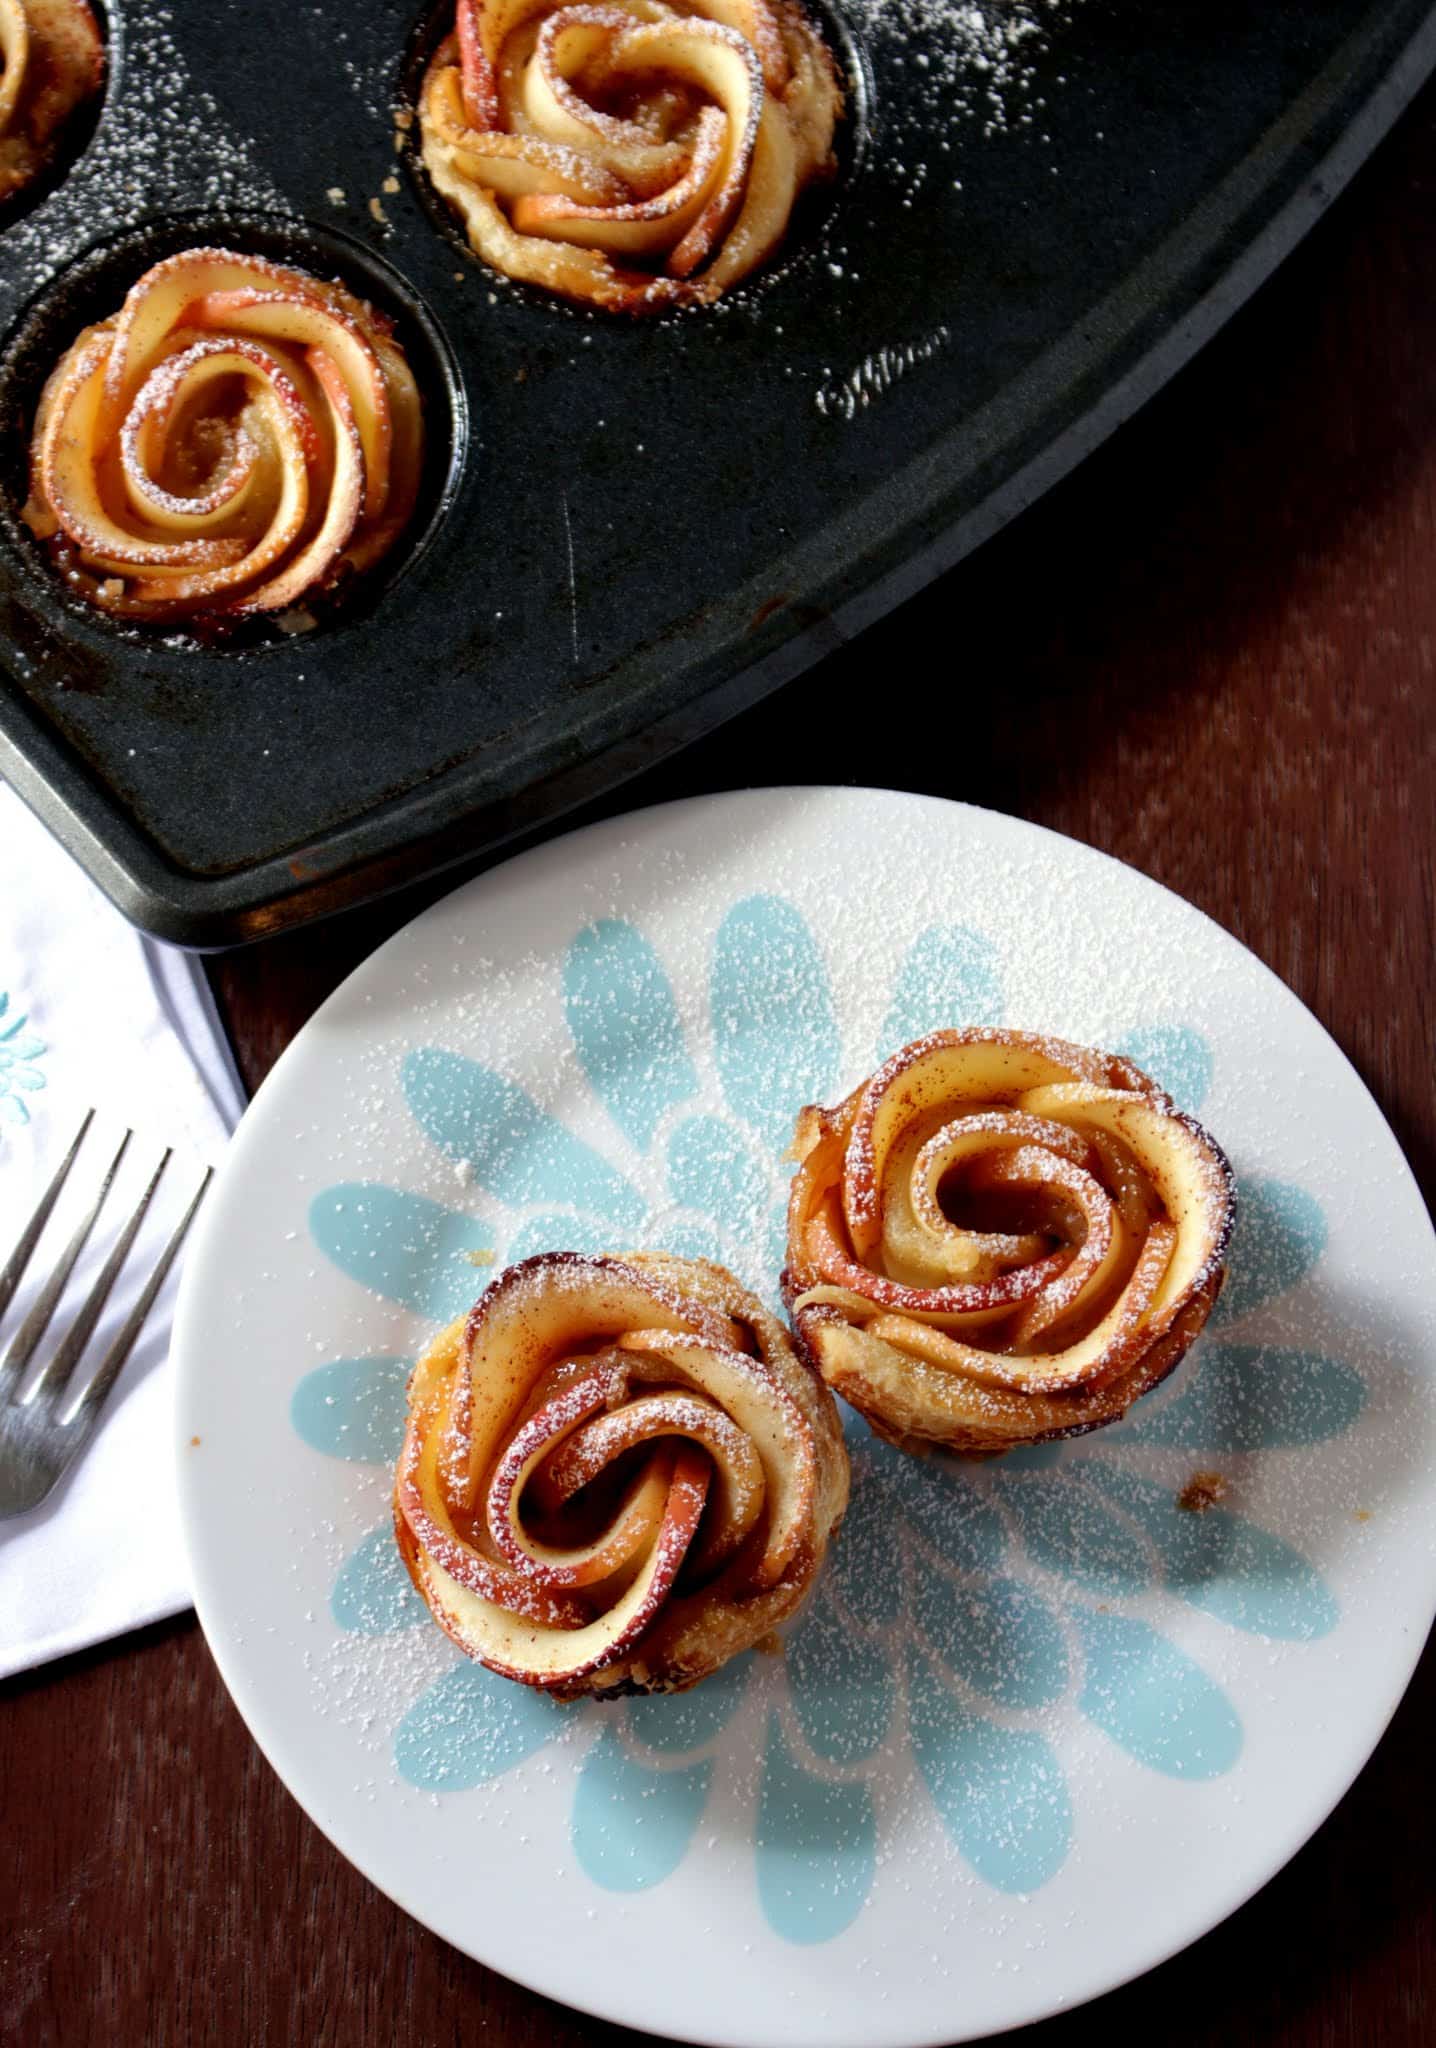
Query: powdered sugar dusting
[
  {"x": 1008, "y": 1615},
  {"x": 161, "y": 139},
  {"x": 972, "y": 70},
  {"x": 980, "y": 55}
]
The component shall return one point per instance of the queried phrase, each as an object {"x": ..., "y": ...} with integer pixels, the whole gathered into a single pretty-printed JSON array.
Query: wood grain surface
[{"x": 1212, "y": 653}]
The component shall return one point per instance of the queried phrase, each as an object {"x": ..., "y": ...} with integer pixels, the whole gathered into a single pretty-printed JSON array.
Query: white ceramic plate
[{"x": 1040, "y": 1728}]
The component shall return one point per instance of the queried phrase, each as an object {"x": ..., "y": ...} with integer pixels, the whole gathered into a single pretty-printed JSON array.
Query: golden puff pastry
[
  {"x": 629, "y": 154},
  {"x": 1002, "y": 1238},
  {"x": 52, "y": 61},
  {"x": 240, "y": 437},
  {"x": 616, "y": 1474}
]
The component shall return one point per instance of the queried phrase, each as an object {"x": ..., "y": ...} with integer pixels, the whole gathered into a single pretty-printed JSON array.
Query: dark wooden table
[{"x": 1212, "y": 653}]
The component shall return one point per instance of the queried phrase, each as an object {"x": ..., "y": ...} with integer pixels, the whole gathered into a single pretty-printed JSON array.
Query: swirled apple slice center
[
  {"x": 736, "y": 1495},
  {"x": 539, "y": 1656},
  {"x": 921, "y": 1243},
  {"x": 931, "y": 1075},
  {"x": 72, "y": 480},
  {"x": 283, "y": 316},
  {"x": 569, "y": 68},
  {"x": 687, "y": 216},
  {"x": 746, "y": 1389}
]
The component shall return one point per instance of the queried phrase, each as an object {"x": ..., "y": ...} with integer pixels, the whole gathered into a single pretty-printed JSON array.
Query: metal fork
[{"x": 37, "y": 1444}]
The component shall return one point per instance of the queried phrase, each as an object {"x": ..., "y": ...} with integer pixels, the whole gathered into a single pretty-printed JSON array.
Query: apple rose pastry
[
  {"x": 616, "y": 1474},
  {"x": 631, "y": 154},
  {"x": 1001, "y": 1239},
  {"x": 238, "y": 438},
  {"x": 52, "y": 60}
]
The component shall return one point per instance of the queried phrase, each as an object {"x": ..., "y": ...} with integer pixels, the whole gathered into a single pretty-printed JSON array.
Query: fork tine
[
  {"x": 22, "y": 1348},
  {"x": 19, "y": 1259},
  {"x": 93, "y": 1399},
  {"x": 52, "y": 1382}
]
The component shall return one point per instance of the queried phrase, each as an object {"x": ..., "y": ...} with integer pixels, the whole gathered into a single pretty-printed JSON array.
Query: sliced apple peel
[
  {"x": 629, "y": 154},
  {"x": 616, "y": 1473},
  {"x": 1002, "y": 1238},
  {"x": 238, "y": 438}
]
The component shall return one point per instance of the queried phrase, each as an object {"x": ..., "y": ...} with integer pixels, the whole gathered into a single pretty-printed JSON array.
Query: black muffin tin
[{"x": 630, "y": 530}]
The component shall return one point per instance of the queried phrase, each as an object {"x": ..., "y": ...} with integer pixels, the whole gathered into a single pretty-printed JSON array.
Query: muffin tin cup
[
  {"x": 630, "y": 529},
  {"x": 78, "y": 132},
  {"x": 95, "y": 287}
]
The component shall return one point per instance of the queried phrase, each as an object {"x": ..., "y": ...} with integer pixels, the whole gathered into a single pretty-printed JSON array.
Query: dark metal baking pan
[{"x": 633, "y": 530}]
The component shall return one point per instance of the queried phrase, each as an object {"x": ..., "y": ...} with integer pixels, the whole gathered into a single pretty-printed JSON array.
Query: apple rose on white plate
[
  {"x": 629, "y": 154},
  {"x": 52, "y": 62},
  {"x": 239, "y": 438},
  {"x": 1002, "y": 1238},
  {"x": 616, "y": 1474}
]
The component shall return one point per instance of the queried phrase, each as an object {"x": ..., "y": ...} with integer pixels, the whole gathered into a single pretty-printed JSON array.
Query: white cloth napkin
[{"x": 92, "y": 1015}]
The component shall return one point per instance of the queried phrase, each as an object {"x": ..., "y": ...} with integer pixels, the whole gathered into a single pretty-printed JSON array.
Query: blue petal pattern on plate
[
  {"x": 951, "y": 976},
  {"x": 513, "y": 1148},
  {"x": 470, "y": 1726},
  {"x": 1073, "y": 1534},
  {"x": 679, "y": 1722},
  {"x": 1221, "y": 1562},
  {"x": 775, "y": 1036},
  {"x": 931, "y": 1570},
  {"x": 560, "y": 1234},
  {"x": 353, "y": 1408},
  {"x": 713, "y": 1168},
  {"x": 1154, "y": 1700},
  {"x": 632, "y": 1824},
  {"x": 865, "y": 1566},
  {"x": 817, "y": 1846},
  {"x": 844, "y": 1687},
  {"x": 943, "y": 1506},
  {"x": 403, "y": 1247},
  {"x": 1255, "y": 1397},
  {"x": 999, "y": 1637},
  {"x": 1280, "y": 1235},
  {"x": 1177, "y": 1058},
  {"x": 1000, "y": 1791},
  {"x": 620, "y": 1011},
  {"x": 373, "y": 1594}
]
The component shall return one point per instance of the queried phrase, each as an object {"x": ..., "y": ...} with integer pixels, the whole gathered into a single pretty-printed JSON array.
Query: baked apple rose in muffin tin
[
  {"x": 616, "y": 1474},
  {"x": 629, "y": 154},
  {"x": 1000, "y": 1239},
  {"x": 52, "y": 62},
  {"x": 239, "y": 438}
]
